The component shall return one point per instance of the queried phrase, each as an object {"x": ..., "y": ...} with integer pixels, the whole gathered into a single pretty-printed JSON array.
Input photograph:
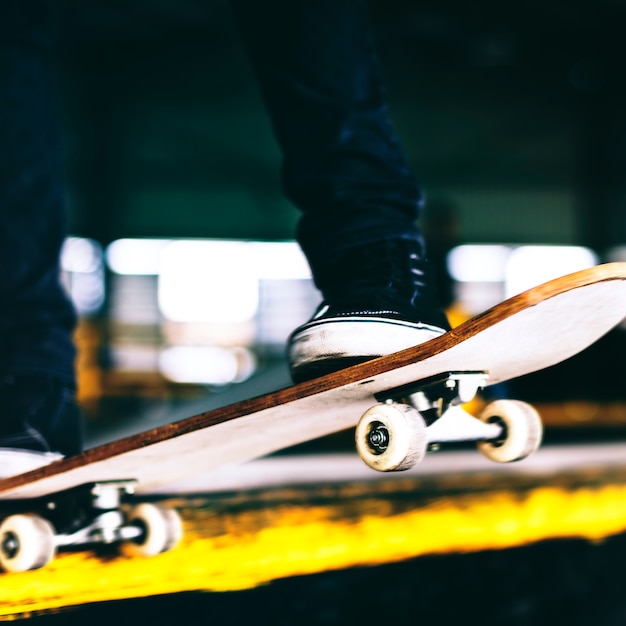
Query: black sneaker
[
  {"x": 378, "y": 299},
  {"x": 39, "y": 418}
]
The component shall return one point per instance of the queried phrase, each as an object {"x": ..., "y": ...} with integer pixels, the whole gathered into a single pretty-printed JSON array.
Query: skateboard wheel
[
  {"x": 26, "y": 542},
  {"x": 521, "y": 430},
  {"x": 391, "y": 437},
  {"x": 161, "y": 529}
]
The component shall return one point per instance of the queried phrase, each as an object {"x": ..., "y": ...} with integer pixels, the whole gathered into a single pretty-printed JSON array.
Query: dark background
[{"x": 511, "y": 114}]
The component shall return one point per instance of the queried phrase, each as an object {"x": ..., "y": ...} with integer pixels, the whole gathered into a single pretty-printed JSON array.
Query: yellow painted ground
[{"x": 238, "y": 544}]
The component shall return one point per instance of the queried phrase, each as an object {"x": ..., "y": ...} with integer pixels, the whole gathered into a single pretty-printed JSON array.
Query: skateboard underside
[{"x": 392, "y": 435}]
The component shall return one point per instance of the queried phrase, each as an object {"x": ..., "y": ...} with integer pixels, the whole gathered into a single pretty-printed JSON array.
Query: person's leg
[
  {"x": 344, "y": 169},
  {"x": 37, "y": 380},
  {"x": 320, "y": 77}
]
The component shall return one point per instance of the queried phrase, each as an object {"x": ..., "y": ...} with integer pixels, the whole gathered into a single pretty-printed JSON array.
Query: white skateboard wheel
[
  {"x": 391, "y": 437},
  {"x": 161, "y": 529},
  {"x": 522, "y": 430},
  {"x": 26, "y": 543}
]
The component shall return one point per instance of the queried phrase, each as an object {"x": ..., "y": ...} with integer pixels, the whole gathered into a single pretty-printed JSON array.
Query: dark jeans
[
  {"x": 321, "y": 81},
  {"x": 320, "y": 77},
  {"x": 36, "y": 320}
]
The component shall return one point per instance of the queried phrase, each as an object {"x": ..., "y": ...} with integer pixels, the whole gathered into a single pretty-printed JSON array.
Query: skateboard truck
[
  {"x": 395, "y": 434},
  {"x": 89, "y": 514},
  {"x": 433, "y": 396}
]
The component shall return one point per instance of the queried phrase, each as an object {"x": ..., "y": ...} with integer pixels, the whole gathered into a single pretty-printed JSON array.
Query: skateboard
[{"x": 400, "y": 406}]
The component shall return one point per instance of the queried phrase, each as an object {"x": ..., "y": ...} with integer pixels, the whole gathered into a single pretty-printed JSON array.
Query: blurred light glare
[
  {"x": 529, "y": 266},
  {"x": 474, "y": 263},
  {"x": 208, "y": 281},
  {"x": 205, "y": 365},
  {"x": 83, "y": 273},
  {"x": 279, "y": 261},
  {"x": 138, "y": 257},
  {"x": 80, "y": 255}
]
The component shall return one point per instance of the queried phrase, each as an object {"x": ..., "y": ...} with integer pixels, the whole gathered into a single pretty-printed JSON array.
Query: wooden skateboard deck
[
  {"x": 526, "y": 333},
  {"x": 529, "y": 332}
]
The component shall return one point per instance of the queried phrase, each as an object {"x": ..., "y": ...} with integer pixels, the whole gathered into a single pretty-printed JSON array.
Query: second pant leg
[
  {"x": 36, "y": 317},
  {"x": 343, "y": 166}
]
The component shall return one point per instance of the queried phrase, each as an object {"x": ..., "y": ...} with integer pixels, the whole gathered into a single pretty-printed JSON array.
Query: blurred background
[
  {"x": 182, "y": 264},
  {"x": 181, "y": 259}
]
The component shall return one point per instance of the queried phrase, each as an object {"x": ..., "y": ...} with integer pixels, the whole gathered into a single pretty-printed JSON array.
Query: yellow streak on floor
[{"x": 233, "y": 550}]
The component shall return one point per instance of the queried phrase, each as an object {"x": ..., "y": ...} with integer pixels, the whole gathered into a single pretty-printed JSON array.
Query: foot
[
  {"x": 378, "y": 299},
  {"x": 39, "y": 422}
]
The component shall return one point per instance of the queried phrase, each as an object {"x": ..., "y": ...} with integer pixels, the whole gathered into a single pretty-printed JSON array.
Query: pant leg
[
  {"x": 36, "y": 318},
  {"x": 321, "y": 79}
]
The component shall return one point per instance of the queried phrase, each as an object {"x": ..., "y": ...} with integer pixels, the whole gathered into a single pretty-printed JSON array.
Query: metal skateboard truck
[
  {"x": 89, "y": 514},
  {"x": 396, "y": 434}
]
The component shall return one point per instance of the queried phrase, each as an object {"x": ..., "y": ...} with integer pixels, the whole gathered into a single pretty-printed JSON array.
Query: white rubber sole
[
  {"x": 14, "y": 461},
  {"x": 355, "y": 338}
]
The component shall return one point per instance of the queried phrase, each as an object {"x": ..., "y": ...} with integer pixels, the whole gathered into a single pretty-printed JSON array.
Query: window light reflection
[
  {"x": 82, "y": 274},
  {"x": 206, "y": 365},
  {"x": 529, "y": 266},
  {"x": 478, "y": 263},
  {"x": 137, "y": 257},
  {"x": 208, "y": 281}
]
